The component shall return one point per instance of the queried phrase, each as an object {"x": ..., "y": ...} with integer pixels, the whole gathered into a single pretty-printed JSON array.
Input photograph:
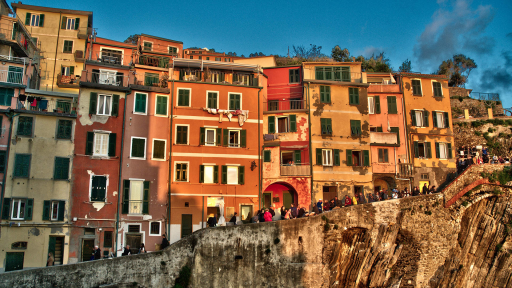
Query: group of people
[
  {"x": 473, "y": 155},
  {"x": 269, "y": 214}
]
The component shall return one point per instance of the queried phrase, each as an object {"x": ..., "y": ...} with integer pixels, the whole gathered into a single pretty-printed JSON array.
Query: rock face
[{"x": 412, "y": 242}]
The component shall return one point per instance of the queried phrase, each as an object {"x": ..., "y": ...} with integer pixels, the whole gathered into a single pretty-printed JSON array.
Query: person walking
[
  {"x": 165, "y": 243},
  {"x": 233, "y": 219},
  {"x": 319, "y": 204},
  {"x": 425, "y": 189},
  {"x": 50, "y": 260}
]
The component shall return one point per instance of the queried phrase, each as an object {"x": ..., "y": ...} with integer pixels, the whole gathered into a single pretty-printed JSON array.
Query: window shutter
[
  {"x": 349, "y": 157},
  {"x": 115, "y": 105},
  {"x": 319, "y": 156},
  {"x": 224, "y": 179},
  {"x": 319, "y": 73},
  {"x": 225, "y": 141},
  {"x": 381, "y": 155},
  {"x": 3, "y": 158},
  {"x": 27, "y": 19},
  {"x": 366, "y": 157},
  {"x": 102, "y": 187},
  {"x": 450, "y": 153},
  {"x": 413, "y": 118},
  {"x": 231, "y": 102},
  {"x": 28, "y": 209},
  {"x": 64, "y": 22},
  {"x": 219, "y": 137},
  {"x": 46, "y": 209},
  {"x": 126, "y": 196},
  {"x": 328, "y": 125},
  {"x": 425, "y": 118},
  {"x": 434, "y": 119},
  {"x": 145, "y": 204},
  {"x": 241, "y": 175},
  {"x": 93, "y": 103},
  {"x": 266, "y": 156},
  {"x": 416, "y": 150},
  {"x": 41, "y": 20},
  {"x": 437, "y": 150},
  {"x": 429, "y": 150},
  {"x": 271, "y": 124},
  {"x": 297, "y": 156},
  {"x": 202, "y": 132},
  {"x": 323, "y": 126},
  {"x": 89, "y": 144},
  {"x": 243, "y": 138},
  {"x": 328, "y": 94},
  {"x": 377, "y": 105},
  {"x": 6, "y": 208},
  {"x": 392, "y": 108},
  {"x": 336, "y": 157},
  {"x": 379, "y": 129},
  {"x": 446, "y": 120},
  {"x": 112, "y": 145},
  {"x": 62, "y": 206},
  {"x": 215, "y": 174},
  {"x": 396, "y": 130},
  {"x": 386, "y": 158},
  {"x": 201, "y": 173},
  {"x": 77, "y": 23},
  {"x": 71, "y": 70},
  {"x": 322, "y": 92},
  {"x": 293, "y": 123}
]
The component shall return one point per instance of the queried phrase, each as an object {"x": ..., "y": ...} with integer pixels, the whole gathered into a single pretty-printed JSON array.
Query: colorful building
[
  {"x": 340, "y": 129},
  {"x": 429, "y": 128},
  {"x": 286, "y": 159},
  {"x": 390, "y": 160},
  {"x": 208, "y": 55}
]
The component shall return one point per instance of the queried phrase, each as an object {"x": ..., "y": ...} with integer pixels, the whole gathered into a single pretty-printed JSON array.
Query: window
[
  {"x": 22, "y": 166},
  {"x": 325, "y": 94},
  {"x": 68, "y": 46},
  {"x": 416, "y": 87},
  {"x": 218, "y": 59},
  {"x": 334, "y": 73},
  {"x": 98, "y": 188},
  {"x": 355, "y": 127},
  {"x": 424, "y": 176},
  {"x": 159, "y": 148},
  {"x": 181, "y": 134},
  {"x": 210, "y": 136},
  {"x": 209, "y": 174},
  {"x": 173, "y": 50},
  {"x": 191, "y": 57},
  {"x": 294, "y": 75},
  {"x": 233, "y": 174},
  {"x": 419, "y": 118},
  {"x": 107, "y": 239},
  {"x": 211, "y": 102},
  {"x": 353, "y": 96},
  {"x": 104, "y": 104},
  {"x": 207, "y": 58},
  {"x": 19, "y": 207},
  {"x": 234, "y": 138},
  {"x": 327, "y": 157},
  {"x": 148, "y": 46},
  {"x": 181, "y": 172},
  {"x": 422, "y": 150},
  {"x": 383, "y": 155},
  {"x": 139, "y": 105},
  {"x": 444, "y": 150},
  {"x": 441, "y": 119},
  {"x": 61, "y": 168},
  {"x": 136, "y": 197},
  {"x": 326, "y": 126},
  {"x": 154, "y": 228},
  {"x": 200, "y": 57},
  {"x": 35, "y": 20},
  {"x": 6, "y": 95},
  {"x": 54, "y": 212},
  {"x": 396, "y": 130},
  {"x": 138, "y": 149},
  {"x": 392, "y": 108},
  {"x": 184, "y": 97},
  {"x": 358, "y": 158},
  {"x": 108, "y": 77},
  {"x": 266, "y": 156},
  {"x": 64, "y": 129},
  {"x": 438, "y": 91},
  {"x": 70, "y": 23},
  {"x": 3, "y": 160},
  {"x": 151, "y": 79},
  {"x": 235, "y": 101},
  {"x": 371, "y": 105},
  {"x": 161, "y": 105},
  {"x": 282, "y": 124},
  {"x": 101, "y": 144},
  {"x": 25, "y": 126}
]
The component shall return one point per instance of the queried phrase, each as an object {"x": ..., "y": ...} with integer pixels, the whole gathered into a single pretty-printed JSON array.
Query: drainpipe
[
  {"x": 56, "y": 48},
  {"x": 120, "y": 170},
  {"x": 310, "y": 143},
  {"x": 260, "y": 169},
  {"x": 408, "y": 152},
  {"x": 11, "y": 117},
  {"x": 170, "y": 162}
]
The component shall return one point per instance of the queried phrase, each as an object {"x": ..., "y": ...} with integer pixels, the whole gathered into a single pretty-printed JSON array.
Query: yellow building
[
  {"x": 35, "y": 212},
  {"x": 61, "y": 35},
  {"x": 429, "y": 127},
  {"x": 340, "y": 138}
]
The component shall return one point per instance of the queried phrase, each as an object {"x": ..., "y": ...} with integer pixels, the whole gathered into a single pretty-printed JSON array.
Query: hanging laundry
[
  {"x": 30, "y": 99},
  {"x": 241, "y": 119},
  {"x": 43, "y": 105},
  {"x": 229, "y": 115},
  {"x": 39, "y": 99},
  {"x": 22, "y": 97},
  {"x": 34, "y": 103}
]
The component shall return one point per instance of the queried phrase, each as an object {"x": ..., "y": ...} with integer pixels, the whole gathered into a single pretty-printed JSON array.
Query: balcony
[
  {"x": 295, "y": 170},
  {"x": 110, "y": 58},
  {"x": 105, "y": 80},
  {"x": 79, "y": 56},
  {"x": 153, "y": 61},
  {"x": 135, "y": 207},
  {"x": 49, "y": 106},
  {"x": 83, "y": 32},
  {"x": 384, "y": 88},
  {"x": 68, "y": 81},
  {"x": 14, "y": 34},
  {"x": 285, "y": 105},
  {"x": 386, "y": 138},
  {"x": 485, "y": 96},
  {"x": 12, "y": 76},
  {"x": 405, "y": 170},
  {"x": 152, "y": 84}
]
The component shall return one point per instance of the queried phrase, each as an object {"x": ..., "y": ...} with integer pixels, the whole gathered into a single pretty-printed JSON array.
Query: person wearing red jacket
[
  {"x": 348, "y": 201},
  {"x": 267, "y": 216}
]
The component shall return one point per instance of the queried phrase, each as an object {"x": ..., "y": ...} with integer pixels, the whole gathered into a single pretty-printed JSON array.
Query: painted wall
[
  {"x": 279, "y": 86},
  {"x": 121, "y": 48}
]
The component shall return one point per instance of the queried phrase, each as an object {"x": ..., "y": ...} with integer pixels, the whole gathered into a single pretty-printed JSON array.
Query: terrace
[{"x": 14, "y": 34}]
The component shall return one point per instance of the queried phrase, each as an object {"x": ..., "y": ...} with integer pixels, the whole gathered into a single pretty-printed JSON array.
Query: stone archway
[
  {"x": 384, "y": 182},
  {"x": 279, "y": 194}
]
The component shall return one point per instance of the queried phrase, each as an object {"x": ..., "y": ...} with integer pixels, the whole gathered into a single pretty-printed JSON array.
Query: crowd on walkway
[{"x": 477, "y": 155}]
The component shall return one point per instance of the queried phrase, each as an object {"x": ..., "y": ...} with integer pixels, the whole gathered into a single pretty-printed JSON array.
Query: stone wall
[
  {"x": 411, "y": 242},
  {"x": 477, "y": 108}
]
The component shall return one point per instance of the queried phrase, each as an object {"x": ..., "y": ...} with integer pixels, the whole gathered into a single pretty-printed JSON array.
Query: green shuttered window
[
  {"x": 267, "y": 156},
  {"x": 326, "y": 126},
  {"x": 294, "y": 75},
  {"x": 64, "y": 129},
  {"x": 3, "y": 160},
  {"x": 438, "y": 91},
  {"x": 333, "y": 73},
  {"x": 293, "y": 123},
  {"x": 183, "y": 97},
  {"x": 151, "y": 78},
  {"x": 22, "y": 165},
  {"x": 355, "y": 127},
  {"x": 25, "y": 126},
  {"x": 68, "y": 46},
  {"x": 138, "y": 148},
  {"x": 235, "y": 101},
  {"x": 353, "y": 96},
  {"x": 416, "y": 87},
  {"x": 140, "y": 103},
  {"x": 325, "y": 94},
  {"x": 212, "y": 100},
  {"x": 61, "y": 171},
  {"x": 271, "y": 124},
  {"x": 392, "y": 108}
]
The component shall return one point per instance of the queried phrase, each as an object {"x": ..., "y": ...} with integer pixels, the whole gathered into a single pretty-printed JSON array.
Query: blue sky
[{"x": 425, "y": 32}]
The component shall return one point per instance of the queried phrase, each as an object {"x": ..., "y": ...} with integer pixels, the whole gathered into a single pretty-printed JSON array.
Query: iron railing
[
  {"x": 114, "y": 79},
  {"x": 485, "y": 96},
  {"x": 7, "y": 76},
  {"x": 48, "y": 105},
  {"x": 406, "y": 170},
  {"x": 135, "y": 206},
  {"x": 302, "y": 169},
  {"x": 288, "y": 104}
]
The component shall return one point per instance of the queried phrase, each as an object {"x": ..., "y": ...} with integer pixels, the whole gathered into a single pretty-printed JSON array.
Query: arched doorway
[
  {"x": 279, "y": 194},
  {"x": 384, "y": 183}
]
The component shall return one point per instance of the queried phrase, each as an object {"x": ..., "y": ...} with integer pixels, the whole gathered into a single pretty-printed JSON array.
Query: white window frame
[
  {"x": 108, "y": 77},
  {"x": 287, "y": 124},
  {"x": 152, "y": 45},
  {"x": 214, "y": 136},
  {"x": 239, "y": 134},
  {"x": 95, "y": 140},
  {"x": 145, "y": 147},
  {"x": 176, "y": 134},
  {"x": 146, "y": 108},
  {"x": 213, "y": 173},
  {"x": 287, "y": 151},
  {"x": 159, "y": 229},
  {"x": 210, "y": 91},
  {"x": 37, "y": 19},
  {"x": 361, "y": 164},
  {"x": 70, "y": 20},
  {"x": 432, "y": 86},
  {"x": 167, "y": 110},
  {"x": 121, "y": 51},
  {"x": 98, "y": 105},
  {"x": 106, "y": 188},
  {"x": 66, "y": 72},
  {"x": 227, "y": 174},
  {"x": 422, "y": 117},
  {"x": 189, "y": 96},
  {"x": 188, "y": 171},
  {"x": 440, "y": 124},
  {"x": 130, "y": 197},
  {"x": 424, "y": 150},
  {"x": 18, "y": 201},
  {"x": 241, "y": 100},
  {"x": 421, "y": 88},
  {"x": 445, "y": 149},
  {"x": 371, "y": 105},
  {"x": 177, "y": 49},
  {"x": 153, "y": 149},
  {"x": 324, "y": 162},
  {"x": 52, "y": 203}
]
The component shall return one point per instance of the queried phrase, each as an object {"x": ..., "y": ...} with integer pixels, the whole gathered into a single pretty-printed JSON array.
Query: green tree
[
  {"x": 132, "y": 39},
  {"x": 374, "y": 63},
  {"x": 457, "y": 69},
  {"x": 340, "y": 55},
  {"x": 406, "y": 66},
  {"x": 313, "y": 53}
]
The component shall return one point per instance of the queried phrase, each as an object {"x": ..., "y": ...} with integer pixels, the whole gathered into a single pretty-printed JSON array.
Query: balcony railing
[
  {"x": 12, "y": 30},
  {"x": 485, "y": 96},
  {"x": 12, "y": 77},
  {"x": 46, "y": 105},
  {"x": 79, "y": 56},
  {"x": 383, "y": 138},
  {"x": 68, "y": 81},
  {"x": 281, "y": 105},
  {"x": 154, "y": 61},
  {"x": 111, "y": 58},
  {"x": 112, "y": 79},
  {"x": 135, "y": 207},
  {"x": 295, "y": 169},
  {"x": 406, "y": 170},
  {"x": 385, "y": 88}
]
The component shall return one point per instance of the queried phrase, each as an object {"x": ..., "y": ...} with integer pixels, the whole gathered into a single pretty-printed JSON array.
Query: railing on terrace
[
  {"x": 14, "y": 77},
  {"x": 405, "y": 170},
  {"x": 68, "y": 80},
  {"x": 384, "y": 87},
  {"x": 154, "y": 61},
  {"x": 111, "y": 58},
  {"x": 46, "y": 105},
  {"x": 114, "y": 79},
  {"x": 485, "y": 96},
  {"x": 13, "y": 30},
  {"x": 344, "y": 76},
  {"x": 159, "y": 49},
  {"x": 281, "y": 105},
  {"x": 135, "y": 207},
  {"x": 302, "y": 169},
  {"x": 196, "y": 75},
  {"x": 153, "y": 81}
]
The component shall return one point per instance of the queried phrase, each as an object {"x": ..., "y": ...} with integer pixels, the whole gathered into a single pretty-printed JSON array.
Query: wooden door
[
  {"x": 134, "y": 241},
  {"x": 186, "y": 225},
  {"x": 56, "y": 247},
  {"x": 14, "y": 261},
  {"x": 87, "y": 249},
  {"x": 267, "y": 200},
  {"x": 287, "y": 199}
]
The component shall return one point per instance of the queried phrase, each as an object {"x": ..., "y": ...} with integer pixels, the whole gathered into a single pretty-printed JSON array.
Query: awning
[{"x": 192, "y": 63}]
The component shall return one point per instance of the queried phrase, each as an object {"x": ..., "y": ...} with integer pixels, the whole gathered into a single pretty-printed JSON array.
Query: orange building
[
  {"x": 215, "y": 132},
  {"x": 205, "y": 54}
]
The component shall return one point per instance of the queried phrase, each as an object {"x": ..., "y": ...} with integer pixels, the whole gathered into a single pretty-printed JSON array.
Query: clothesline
[{"x": 243, "y": 115}]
